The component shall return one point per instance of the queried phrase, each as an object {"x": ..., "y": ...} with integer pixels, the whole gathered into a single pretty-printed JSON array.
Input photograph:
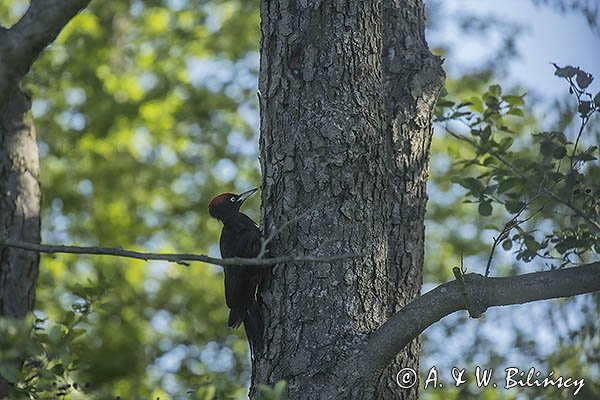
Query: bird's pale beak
[{"x": 246, "y": 194}]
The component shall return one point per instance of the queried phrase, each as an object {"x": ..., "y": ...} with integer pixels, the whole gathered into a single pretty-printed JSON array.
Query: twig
[
  {"x": 179, "y": 258},
  {"x": 584, "y": 118},
  {"x": 584, "y": 121},
  {"x": 506, "y": 230},
  {"x": 473, "y": 311}
]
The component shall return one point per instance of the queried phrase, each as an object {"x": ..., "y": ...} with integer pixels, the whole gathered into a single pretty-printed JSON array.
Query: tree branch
[
  {"x": 22, "y": 44},
  {"x": 179, "y": 258},
  {"x": 389, "y": 339}
]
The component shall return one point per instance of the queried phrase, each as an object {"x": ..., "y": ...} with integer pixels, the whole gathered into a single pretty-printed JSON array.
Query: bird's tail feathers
[
  {"x": 236, "y": 317},
  {"x": 253, "y": 324}
]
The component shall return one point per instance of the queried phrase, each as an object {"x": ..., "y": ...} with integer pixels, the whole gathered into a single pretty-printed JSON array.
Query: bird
[{"x": 240, "y": 237}]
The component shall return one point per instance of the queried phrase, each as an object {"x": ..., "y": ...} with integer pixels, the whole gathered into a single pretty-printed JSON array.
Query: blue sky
[{"x": 549, "y": 36}]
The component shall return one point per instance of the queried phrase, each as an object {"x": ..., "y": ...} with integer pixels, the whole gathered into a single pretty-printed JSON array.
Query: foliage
[
  {"x": 50, "y": 352},
  {"x": 558, "y": 335},
  {"x": 556, "y": 182},
  {"x": 144, "y": 111}
]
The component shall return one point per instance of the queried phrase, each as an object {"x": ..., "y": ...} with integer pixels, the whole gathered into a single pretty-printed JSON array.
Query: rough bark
[
  {"x": 19, "y": 165},
  {"x": 19, "y": 208},
  {"x": 345, "y": 134},
  {"x": 412, "y": 80}
]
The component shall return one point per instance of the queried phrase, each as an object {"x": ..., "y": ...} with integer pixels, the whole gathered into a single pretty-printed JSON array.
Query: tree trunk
[
  {"x": 345, "y": 133},
  {"x": 19, "y": 208},
  {"x": 412, "y": 79}
]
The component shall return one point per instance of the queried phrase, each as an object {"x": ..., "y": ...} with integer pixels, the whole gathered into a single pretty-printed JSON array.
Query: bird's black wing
[{"x": 242, "y": 240}]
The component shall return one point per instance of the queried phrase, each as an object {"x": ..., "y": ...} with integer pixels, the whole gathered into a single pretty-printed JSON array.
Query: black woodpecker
[{"x": 240, "y": 237}]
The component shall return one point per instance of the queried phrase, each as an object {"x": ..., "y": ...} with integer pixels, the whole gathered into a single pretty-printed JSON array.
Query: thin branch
[
  {"x": 513, "y": 222},
  {"x": 584, "y": 118},
  {"x": 584, "y": 121},
  {"x": 387, "y": 341},
  {"x": 474, "y": 312},
  {"x": 179, "y": 258}
]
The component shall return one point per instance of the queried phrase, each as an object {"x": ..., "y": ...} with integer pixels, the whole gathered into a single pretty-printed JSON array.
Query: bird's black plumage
[{"x": 240, "y": 237}]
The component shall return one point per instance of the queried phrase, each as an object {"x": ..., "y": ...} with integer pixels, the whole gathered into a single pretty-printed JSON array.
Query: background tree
[
  {"x": 19, "y": 168},
  {"x": 97, "y": 106},
  {"x": 131, "y": 87}
]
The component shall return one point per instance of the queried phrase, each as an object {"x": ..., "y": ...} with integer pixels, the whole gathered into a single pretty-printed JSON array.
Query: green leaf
[
  {"x": 486, "y": 132},
  {"x": 584, "y": 108},
  {"x": 506, "y": 143},
  {"x": 584, "y": 79},
  {"x": 76, "y": 332},
  {"x": 491, "y": 101},
  {"x": 459, "y": 114},
  {"x": 507, "y": 184},
  {"x": 280, "y": 388},
  {"x": 495, "y": 90},
  {"x": 488, "y": 161},
  {"x": 597, "y": 99},
  {"x": 507, "y": 244},
  {"x": 561, "y": 137},
  {"x": 591, "y": 150},
  {"x": 513, "y": 207},
  {"x": 56, "y": 334},
  {"x": 477, "y": 104},
  {"x": 565, "y": 72},
  {"x": 9, "y": 372},
  {"x": 569, "y": 242},
  {"x": 516, "y": 111},
  {"x": 513, "y": 100},
  {"x": 474, "y": 185},
  {"x": 485, "y": 208},
  {"x": 69, "y": 318},
  {"x": 559, "y": 152},
  {"x": 58, "y": 369},
  {"x": 444, "y": 103},
  {"x": 588, "y": 154},
  {"x": 547, "y": 148}
]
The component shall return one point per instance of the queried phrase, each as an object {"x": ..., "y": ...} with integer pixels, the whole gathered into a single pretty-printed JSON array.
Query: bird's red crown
[{"x": 220, "y": 198}]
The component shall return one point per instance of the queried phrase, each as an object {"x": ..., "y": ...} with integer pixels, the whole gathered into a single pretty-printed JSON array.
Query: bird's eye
[{"x": 233, "y": 199}]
